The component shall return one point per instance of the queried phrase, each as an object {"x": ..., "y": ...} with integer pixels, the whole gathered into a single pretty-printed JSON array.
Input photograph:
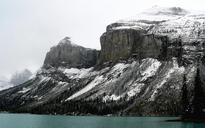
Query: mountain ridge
[{"x": 139, "y": 70}]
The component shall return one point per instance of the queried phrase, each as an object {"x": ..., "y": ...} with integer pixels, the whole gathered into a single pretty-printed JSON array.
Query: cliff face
[
  {"x": 127, "y": 43},
  {"x": 67, "y": 54},
  {"x": 160, "y": 33},
  {"x": 149, "y": 54}
]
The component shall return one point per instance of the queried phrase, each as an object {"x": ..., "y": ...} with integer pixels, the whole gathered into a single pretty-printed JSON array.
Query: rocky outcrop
[
  {"x": 68, "y": 54},
  {"x": 122, "y": 44}
]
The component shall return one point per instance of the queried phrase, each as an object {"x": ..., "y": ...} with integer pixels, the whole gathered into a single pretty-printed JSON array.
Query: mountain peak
[
  {"x": 67, "y": 40},
  {"x": 68, "y": 54},
  {"x": 157, "y": 10}
]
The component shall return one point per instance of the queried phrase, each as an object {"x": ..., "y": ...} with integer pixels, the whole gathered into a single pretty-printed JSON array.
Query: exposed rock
[
  {"x": 68, "y": 54},
  {"x": 126, "y": 43}
]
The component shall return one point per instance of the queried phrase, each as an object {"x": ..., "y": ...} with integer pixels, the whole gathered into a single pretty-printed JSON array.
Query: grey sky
[{"x": 28, "y": 28}]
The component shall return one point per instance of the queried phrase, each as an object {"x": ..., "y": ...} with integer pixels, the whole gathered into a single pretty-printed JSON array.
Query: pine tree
[
  {"x": 185, "y": 101},
  {"x": 180, "y": 51},
  {"x": 198, "y": 96}
]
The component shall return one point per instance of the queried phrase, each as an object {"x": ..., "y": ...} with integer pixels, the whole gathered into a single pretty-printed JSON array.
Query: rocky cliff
[
  {"x": 140, "y": 69},
  {"x": 67, "y": 54},
  {"x": 126, "y": 43}
]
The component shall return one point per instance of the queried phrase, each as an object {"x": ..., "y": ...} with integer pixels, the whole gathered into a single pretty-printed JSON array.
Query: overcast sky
[{"x": 28, "y": 28}]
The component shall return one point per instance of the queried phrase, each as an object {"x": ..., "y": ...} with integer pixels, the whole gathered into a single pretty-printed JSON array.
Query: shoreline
[{"x": 188, "y": 120}]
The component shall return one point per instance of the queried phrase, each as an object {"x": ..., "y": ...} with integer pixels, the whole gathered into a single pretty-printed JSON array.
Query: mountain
[
  {"x": 140, "y": 69},
  {"x": 16, "y": 79},
  {"x": 20, "y": 77}
]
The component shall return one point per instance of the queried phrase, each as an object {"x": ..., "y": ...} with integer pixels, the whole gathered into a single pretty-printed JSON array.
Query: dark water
[{"x": 46, "y": 121}]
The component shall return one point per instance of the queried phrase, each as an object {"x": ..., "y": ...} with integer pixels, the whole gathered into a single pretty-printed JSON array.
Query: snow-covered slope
[
  {"x": 174, "y": 22},
  {"x": 147, "y": 81}
]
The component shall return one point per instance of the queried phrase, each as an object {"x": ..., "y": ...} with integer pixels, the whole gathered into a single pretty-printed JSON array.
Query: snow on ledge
[
  {"x": 113, "y": 97},
  {"x": 151, "y": 69},
  {"x": 74, "y": 73},
  {"x": 24, "y": 90}
]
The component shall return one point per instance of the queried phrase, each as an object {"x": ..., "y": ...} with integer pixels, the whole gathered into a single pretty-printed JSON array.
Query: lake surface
[{"x": 48, "y": 121}]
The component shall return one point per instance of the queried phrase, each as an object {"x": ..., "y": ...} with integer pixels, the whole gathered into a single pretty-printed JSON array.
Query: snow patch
[
  {"x": 150, "y": 70},
  {"x": 167, "y": 76},
  {"x": 90, "y": 86},
  {"x": 128, "y": 27},
  {"x": 44, "y": 79},
  {"x": 24, "y": 90},
  {"x": 135, "y": 89},
  {"x": 62, "y": 83},
  {"x": 191, "y": 48},
  {"x": 113, "y": 97},
  {"x": 74, "y": 73},
  {"x": 118, "y": 68}
]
